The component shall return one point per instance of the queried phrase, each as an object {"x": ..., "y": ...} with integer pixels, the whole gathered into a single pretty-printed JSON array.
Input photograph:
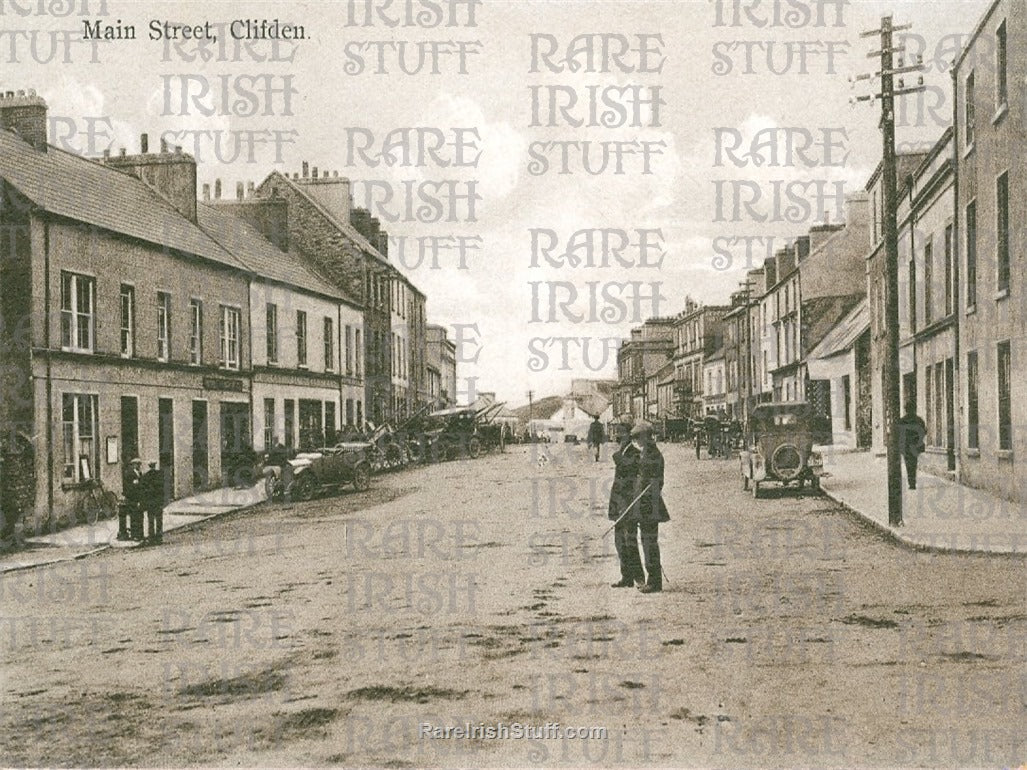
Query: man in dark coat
[
  {"x": 651, "y": 510},
  {"x": 131, "y": 488},
  {"x": 153, "y": 490},
  {"x": 912, "y": 433},
  {"x": 622, "y": 492},
  {"x": 596, "y": 436}
]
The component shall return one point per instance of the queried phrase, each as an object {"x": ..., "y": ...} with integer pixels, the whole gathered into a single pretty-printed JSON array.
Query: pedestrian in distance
[
  {"x": 131, "y": 489},
  {"x": 625, "y": 538},
  {"x": 153, "y": 491},
  {"x": 596, "y": 436},
  {"x": 912, "y": 436}
]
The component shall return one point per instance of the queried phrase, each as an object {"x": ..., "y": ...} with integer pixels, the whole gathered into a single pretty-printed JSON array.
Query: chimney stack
[
  {"x": 144, "y": 144},
  {"x": 217, "y": 189},
  {"x": 206, "y": 191},
  {"x": 249, "y": 189},
  {"x": 313, "y": 172},
  {"x": 163, "y": 146},
  {"x": 239, "y": 190},
  {"x": 25, "y": 113},
  {"x": 306, "y": 169},
  {"x": 123, "y": 152}
]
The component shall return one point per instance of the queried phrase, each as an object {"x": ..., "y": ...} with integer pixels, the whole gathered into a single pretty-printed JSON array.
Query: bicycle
[{"x": 96, "y": 502}]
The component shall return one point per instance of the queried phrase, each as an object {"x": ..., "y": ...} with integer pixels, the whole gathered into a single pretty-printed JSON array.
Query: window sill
[
  {"x": 1000, "y": 113},
  {"x": 75, "y": 486},
  {"x": 968, "y": 151},
  {"x": 1004, "y": 454},
  {"x": 973, "y": 452},
  {"x": 1001, "y": 294}
]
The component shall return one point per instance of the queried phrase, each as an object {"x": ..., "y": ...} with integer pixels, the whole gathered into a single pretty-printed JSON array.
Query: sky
[{"x": 676, "y": 209}]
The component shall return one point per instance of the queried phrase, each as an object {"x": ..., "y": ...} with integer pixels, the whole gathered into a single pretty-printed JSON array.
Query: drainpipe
[
  {"x": 957, "y": 395},
  {"x": 47, "y": 315}
]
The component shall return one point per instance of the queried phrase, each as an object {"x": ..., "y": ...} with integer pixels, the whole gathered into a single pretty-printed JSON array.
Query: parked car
[
  {"x": 779, "y": 447},
  {"x": 310, "y": 474}
]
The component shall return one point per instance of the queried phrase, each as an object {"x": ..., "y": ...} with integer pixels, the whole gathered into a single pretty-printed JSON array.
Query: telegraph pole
[
  {"x": 892, "y": 407},
  {"x": 531, "y": 413}
]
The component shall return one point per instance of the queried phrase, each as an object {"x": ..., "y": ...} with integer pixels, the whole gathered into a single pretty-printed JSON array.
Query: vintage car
[
  {"x": 310, "y": 474},
  {"x": 461, "y": 431},
  {"x": 779, "y": 446}
]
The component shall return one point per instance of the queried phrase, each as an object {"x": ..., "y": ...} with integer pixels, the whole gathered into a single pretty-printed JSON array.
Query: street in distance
[{"x": 159, "y": 29}]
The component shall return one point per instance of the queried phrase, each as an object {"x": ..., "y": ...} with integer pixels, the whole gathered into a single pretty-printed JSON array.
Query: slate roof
[
  {"x": 261, "y": 256},
  {"x": 86, "y": 191},
  {"x": 822, "y": 314},
  {"x": 844, "y": 334}
]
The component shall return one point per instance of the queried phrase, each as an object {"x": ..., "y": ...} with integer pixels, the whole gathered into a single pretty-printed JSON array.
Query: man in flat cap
[
  {"x": 622, "y": 492},
  {"x": 131, "y": 489},
  {"x": 651, "y": 510}
]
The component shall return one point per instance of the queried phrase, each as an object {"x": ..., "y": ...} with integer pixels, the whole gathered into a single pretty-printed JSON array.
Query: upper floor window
[
  {"x": 271, "y": 326},
  {"x": 128, "y": 320},
  {"x": 349, "y": 350},
  {"x": 195, "y": 331},
  {"x": 928, "y": 280},
  {"x": 969, "y": 120},
  {"x": 948, "y": 269},
  {"x": 329, "y": 344},
  {"x": 163, "y": 326},
  {"x": 78, "y": 312},
  {"x": 1002, "y": 230},
  {"x": 301, "y": 338},
  {"x": 1001, "y": 65},
  {"x": 231, "y": 336},
  {"x": 971, "y": 254}
]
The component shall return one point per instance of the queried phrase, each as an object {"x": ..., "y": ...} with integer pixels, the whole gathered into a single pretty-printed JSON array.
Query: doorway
[
  {"x": 201, "y": 469},
  {"x": 166, "y": 444}
]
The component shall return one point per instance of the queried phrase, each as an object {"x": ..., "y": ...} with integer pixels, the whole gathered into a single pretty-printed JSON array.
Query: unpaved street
[{"x": 327, "y": 633}]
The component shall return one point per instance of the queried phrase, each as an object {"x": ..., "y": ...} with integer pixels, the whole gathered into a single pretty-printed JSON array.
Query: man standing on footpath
[
  {"x": 153, "y": 490},
  {"x": 652, "y": 511},
  {"x": 131, "y": 489}
]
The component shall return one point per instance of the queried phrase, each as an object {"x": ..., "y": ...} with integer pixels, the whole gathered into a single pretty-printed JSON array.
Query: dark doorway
[
  {"x": 166, "y": 444},
  {"x": 950, "y": 414},
  {"x": 129, "y": 429},
  {"x": 237, "y": 456},
  {"x": 201, "y": 468},
  {"x": 311, "y": 433},
  {"x": 864, "y": 394}
]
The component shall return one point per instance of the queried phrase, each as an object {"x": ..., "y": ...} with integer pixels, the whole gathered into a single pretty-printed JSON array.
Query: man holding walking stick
[{"x": 637, "y": 507}]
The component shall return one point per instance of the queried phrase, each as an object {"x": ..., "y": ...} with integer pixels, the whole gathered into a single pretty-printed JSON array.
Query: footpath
[
  {"x": 939, "y": 515},
  {"x": 84, "y": 540}
]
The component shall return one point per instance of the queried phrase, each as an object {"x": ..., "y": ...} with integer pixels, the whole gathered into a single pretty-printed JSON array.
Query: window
[
  {"x": 360, "y": 413},
  {"x": 269, "y": 423},
  {"x": 271, "y": 327},
  {"x": 969, "y": 120},
  {"x": 971, "y": 255},
  {"x": 195, "y": 331},
  {"x": 329, "y": 331},
  {"x": 163, "y": 326},
  {"x": 349, "y": 352},
  {"x": 301, "y": 338},
  {"x": 349, "y": 412},
  {"x": 973, "y": 437},
  {"x": 79, "y": 437},
  {"x": 290, "y": 423},
  {"x": 231, "y": 329},
  {"x": 929, "y": 439},
  {"x": 1002, "y": 231},
  {"x": 330, "y": 427},
  {"x": 847, "y": 401},
  {"x": 912, "y": 295},
  {"x": 1001, "y": 61},
  {"x": 128, "y": 320},
  {"x": 1005, "y": 404},
  {"x": 940, "y": 397},
  {"x": 358, "y": 352},
  {"x": 948, "y": 270},
  {"x": 928, "y": 280},
  {"x": 78, "y": 312}
]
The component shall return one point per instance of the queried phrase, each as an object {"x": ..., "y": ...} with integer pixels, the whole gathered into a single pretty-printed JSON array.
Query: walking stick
[{"x": 630, "y": 505}]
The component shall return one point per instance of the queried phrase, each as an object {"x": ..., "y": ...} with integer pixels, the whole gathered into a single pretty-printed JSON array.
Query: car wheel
[
  {"x": 304, "y": 488},
  {"x": 415, "y": 452},
  {"x": 815, "y": 483},
  {"x": 270, "y": 486},
  {"x": 362, "y": 477},
  {"x": 474, "y": 447}
]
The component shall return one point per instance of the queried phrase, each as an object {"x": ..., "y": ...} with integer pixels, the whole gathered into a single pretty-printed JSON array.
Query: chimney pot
[
  {"x": 144, "y": 144},
  {"x": 21, "y": 92},
  {"x": 178, "y": 149},
  {"x": 9, "y": 94},
  {"x": 306, "y": 169},
  {"x": 313, "y": 172},
  {"x": 217, "y": 189},
  {"x": 32, "y": 92},
  {"x": 239, "y": 190},
  {"x": 163, "y": 145},
  {"x": 249, "y": 189},
  {"x": 335, "y": 173},
  {"x": 206, "y": 191},
  {"x": 123, "y": 152}
]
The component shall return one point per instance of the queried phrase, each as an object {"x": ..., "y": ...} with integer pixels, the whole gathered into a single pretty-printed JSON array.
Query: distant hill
[{"x": 542, "y": 409}]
